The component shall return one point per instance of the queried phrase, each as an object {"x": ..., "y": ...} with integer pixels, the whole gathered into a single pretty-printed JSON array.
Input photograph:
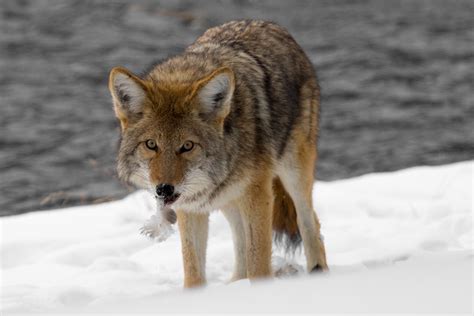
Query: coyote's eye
[
  {"x": 187, "y": 146},
  {"x": 151, "y": 144}
]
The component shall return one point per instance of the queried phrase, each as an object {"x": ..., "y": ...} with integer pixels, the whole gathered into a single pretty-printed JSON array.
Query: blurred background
[{"x": 397, "y": 82}]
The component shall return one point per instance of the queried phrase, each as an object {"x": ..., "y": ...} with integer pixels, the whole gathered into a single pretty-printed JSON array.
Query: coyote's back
[
  {"x": 230, "y": 124},
  {"x": 276, "y": 75}
]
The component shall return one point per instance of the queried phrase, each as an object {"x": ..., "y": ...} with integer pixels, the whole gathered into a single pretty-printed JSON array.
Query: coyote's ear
[
  {"x": 215, "y": 94},
  {"x": 128, "y": 94}
]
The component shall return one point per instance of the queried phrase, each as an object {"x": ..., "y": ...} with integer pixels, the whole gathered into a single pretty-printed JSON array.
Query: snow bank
[{"x": 396, "y": 242}]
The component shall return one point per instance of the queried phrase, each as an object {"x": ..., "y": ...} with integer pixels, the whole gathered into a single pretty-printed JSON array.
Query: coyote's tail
[{"x": 285, "y": 227}]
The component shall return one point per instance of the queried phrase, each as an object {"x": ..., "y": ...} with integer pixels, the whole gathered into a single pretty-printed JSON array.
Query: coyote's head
[{"x": 172, "y": 140}]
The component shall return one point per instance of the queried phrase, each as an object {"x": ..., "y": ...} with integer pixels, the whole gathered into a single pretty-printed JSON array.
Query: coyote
[{"x": 230, "y": 124}]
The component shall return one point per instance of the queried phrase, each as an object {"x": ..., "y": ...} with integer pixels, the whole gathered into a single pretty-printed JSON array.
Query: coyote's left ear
[
  {"x": 128, "y": 94},
  {"x": 215, "y": 94}
]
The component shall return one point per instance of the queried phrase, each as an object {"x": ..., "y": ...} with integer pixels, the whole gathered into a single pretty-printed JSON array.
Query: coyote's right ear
[
  {"x": 128, "y": 93},
  {"x": 215, "y": 93}
]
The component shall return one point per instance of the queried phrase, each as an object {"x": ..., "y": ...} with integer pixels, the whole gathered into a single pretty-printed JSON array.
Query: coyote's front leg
[
  {"x": 256, "y": 211},
  {"x": 193, "y": 229}
]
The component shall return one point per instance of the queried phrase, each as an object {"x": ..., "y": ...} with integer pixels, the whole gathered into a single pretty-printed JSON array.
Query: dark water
[{"x": 397, "y": 84}]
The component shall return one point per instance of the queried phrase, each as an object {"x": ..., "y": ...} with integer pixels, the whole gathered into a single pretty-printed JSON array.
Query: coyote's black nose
[{"x": 164, "y": 190}]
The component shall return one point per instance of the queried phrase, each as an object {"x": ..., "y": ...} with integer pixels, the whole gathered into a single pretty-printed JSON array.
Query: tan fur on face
[{"x": 165, "y": 110}]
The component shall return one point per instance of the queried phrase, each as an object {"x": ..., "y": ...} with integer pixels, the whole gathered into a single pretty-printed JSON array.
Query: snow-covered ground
[{"x": 396, "y": 242}]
